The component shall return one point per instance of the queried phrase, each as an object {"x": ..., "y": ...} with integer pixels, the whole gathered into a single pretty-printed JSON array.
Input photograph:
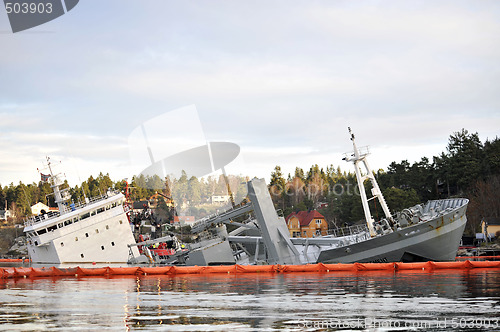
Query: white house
[
  {"x": 222, "y": 199},
  {"x": 39, "y": 207},
  {"x": 5, "y": 214}
]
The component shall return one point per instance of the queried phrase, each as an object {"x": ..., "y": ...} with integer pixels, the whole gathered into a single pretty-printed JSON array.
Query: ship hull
[
  {"x": 435, "y": 240},
  {"x": 102, "y": 237}
]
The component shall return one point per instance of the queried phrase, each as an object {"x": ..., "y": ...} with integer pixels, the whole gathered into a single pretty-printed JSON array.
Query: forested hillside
[{"x": 467, "y": 168}]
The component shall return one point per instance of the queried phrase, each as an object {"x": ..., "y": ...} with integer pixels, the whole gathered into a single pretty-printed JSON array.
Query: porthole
[
  {"x": 76, "y": 238},
  {"x": 121, "y": 222},
  {"x": 112, "y": 244},
  {"x": 62, "y": 244},
  {"x": 97, "y": 231},
  {"x": 102, "y": 247},
  {"x": 86, "y": 234},
  {"x": 81, "y": 255},
  {"x": 107, "y": 227}
]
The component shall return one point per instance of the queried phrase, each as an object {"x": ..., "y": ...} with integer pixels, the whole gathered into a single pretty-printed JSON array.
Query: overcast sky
[{"x": 282, "y": 79}]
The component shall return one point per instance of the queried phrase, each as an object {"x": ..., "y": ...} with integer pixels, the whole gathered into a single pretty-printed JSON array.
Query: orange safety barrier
[
  {"x": 99, "y": 271},
  {"x": 488, "y": 264},
  {"x": 13, "y": 260},
  {"x": 29, "y": 272},
  {"x": 185, "y": 269},
  {"x": 373, "y": 266},
  {"x": 256, "y": 268},
  {"x": 123, "y": 270},
  {"x": 339, "y": 267},
  {"x": 303, "y": 268},
  {"x": 412, "y": 266},
  {"x": 155, "y": 270},
  {"x": 219, "y": 269}
]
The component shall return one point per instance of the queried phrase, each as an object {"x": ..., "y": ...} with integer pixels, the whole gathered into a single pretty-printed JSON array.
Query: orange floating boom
[{"x": 30, "y": 272}]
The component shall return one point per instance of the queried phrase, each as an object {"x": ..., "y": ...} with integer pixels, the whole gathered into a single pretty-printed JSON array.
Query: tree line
[
  {"x": 468, "y": 168},
  {"x": 189, "y": 191}
]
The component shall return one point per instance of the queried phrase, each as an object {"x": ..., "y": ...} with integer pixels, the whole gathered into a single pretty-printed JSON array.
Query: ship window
[
  {"x": 86, "y": 215},
  {"x": 112, "y": 244},
  {"x": 86, "y": 234},
  {"x": 97, "y": 231},
  {"x": 68, "y": 222},
  {"x": 81, "y": 255},
  {"x": 100, "y": 210},
  {"x": 75, "y": 219},
  {"x": 52, "y": 228},
  {"x": 62, "y": 244},
  {"x": 108, "y": 207},
  {"x": 60, "y": 225},
  {"x": 102, "y": 247},
  {"x": 42, "y": 231},
  {"x": 36, "y": 243},
  {"x": 93, "y": 213},
  {"x": 107, "y": 226}
]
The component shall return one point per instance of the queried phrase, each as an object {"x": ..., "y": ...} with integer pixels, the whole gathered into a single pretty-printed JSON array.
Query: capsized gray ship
[{"x": 425, "y": 232}]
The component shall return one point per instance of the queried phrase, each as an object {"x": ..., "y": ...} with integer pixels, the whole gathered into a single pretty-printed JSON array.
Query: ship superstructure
[{"x": 96, "y": 230}]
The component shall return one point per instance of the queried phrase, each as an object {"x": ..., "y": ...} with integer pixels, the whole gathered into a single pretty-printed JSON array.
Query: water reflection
[{"x": 249, "y": 301}]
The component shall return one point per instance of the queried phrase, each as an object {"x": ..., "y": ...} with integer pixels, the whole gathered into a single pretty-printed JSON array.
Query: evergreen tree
[
  {"x": 194, "y": 191},
  {"x": 277, "y": 187},
  {"x": 491, "y": 165},
  {"x": 461, "y": 165}
]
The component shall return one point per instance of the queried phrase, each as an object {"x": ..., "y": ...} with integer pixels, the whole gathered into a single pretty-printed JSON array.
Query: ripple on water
[{"x": 264, "y": 302}]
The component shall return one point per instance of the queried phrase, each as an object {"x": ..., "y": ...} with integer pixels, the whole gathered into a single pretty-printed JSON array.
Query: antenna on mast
[{"x": 356, "y": 157}]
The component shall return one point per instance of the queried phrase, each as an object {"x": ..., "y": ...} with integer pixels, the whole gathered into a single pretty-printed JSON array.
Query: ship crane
[{"x": 358, "y": 157}]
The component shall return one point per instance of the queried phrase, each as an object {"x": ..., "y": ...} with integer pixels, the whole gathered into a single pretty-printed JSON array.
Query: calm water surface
[{"x": 458, "y": 300}]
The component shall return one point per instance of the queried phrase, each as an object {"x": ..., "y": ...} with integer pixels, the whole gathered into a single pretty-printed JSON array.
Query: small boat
[{"x": 94, "y": 231}]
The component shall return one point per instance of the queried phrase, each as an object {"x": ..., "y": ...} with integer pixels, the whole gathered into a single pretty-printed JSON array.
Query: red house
[{"x": 307, "y": 224}]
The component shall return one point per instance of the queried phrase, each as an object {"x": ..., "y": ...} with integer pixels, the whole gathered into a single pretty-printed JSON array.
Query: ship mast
[
  {"x": 357, "y": 157},
  {"x": 60, "y": 196}
]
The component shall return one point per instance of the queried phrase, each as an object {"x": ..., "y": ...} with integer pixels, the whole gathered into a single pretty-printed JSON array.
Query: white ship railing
[
  {"x": 75, "y": 206},
  {"x": 348, "y": 231}
]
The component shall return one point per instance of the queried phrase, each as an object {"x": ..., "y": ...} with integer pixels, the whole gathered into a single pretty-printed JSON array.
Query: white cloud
[{"x": 283, "y": 80}]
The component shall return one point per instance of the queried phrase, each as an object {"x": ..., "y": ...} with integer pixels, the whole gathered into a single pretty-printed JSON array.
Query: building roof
[
  {"x": 184, "y": 219},
  {"x": 305, "y": 217},
  {"x": 492, "y": 221}
]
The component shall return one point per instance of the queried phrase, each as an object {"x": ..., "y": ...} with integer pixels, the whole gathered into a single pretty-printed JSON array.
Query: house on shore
[
  {"x": 490, "y": 226},
  {"x": 6, "y": 214},
  {"x": 307, "y": 224},
  {"x": 40, "y": 208},
  {"x": 183, "y": 220}
]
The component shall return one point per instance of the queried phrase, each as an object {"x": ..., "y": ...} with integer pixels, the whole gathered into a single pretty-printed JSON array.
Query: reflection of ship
[
  {"x": 93, "y": 231},
  {"x": 430, "y": 231}
]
